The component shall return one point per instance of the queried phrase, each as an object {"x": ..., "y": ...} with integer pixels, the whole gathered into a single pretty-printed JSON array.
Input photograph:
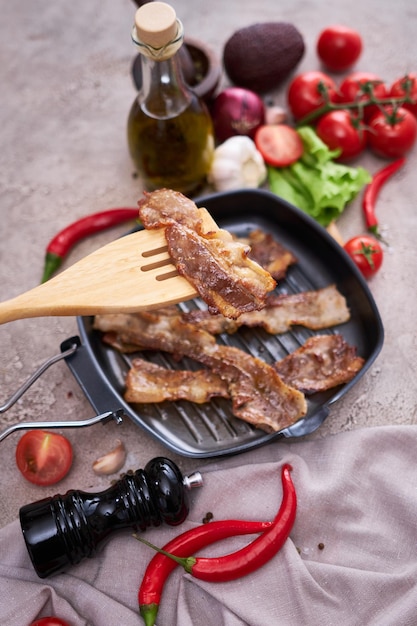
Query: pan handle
[
  {"x": 117, "y": 416},
  {"x": 71, "y": 346},
  {"x": 68, "y": 349}
]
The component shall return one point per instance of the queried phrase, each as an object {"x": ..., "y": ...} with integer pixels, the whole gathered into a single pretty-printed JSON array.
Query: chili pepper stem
[
  {"x": 52, "y": 263},
  {"x": 375, "y": 232},
  {"x": 149, "y": 613},
  {"x": 187, "y": 563}
]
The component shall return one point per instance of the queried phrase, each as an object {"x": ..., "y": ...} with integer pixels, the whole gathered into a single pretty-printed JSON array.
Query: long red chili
[
  {"x": 252, "y": 556},
  {"x": 63, "y": 241},
  {"x": 372, "y": 191},
  {"x": 161, "y": 566},
  {"x": 257, "y": 553}
]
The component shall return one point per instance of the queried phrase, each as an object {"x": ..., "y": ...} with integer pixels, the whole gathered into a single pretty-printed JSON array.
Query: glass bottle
[{"x": 170, "y": 133}]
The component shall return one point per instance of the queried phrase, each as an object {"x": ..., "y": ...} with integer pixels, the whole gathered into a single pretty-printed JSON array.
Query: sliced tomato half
[
  {"x": 280, "y": 145},
  {"x": 43, "y": 457}
]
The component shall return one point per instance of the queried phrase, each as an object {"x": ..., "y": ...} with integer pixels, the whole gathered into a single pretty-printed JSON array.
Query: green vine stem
[{"x": 366, "y": 88}]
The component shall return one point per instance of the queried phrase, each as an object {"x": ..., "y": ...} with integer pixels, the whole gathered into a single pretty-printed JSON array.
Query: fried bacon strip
[
  {"x": 163, "y": 207},
  {"x": 324, "y": 361},
  {"x": 151, "y": 330},
  {"x": 316, "y": 310},
  {"x": 258, "y": 394},
  {"x": 148, "y": 383},
  {"x": 217, "y": 266},
  {"x": 269, "y": 253}
]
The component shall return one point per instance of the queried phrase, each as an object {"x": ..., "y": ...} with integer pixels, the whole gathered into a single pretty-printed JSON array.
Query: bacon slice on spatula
[{"x": 217, "y": 266}]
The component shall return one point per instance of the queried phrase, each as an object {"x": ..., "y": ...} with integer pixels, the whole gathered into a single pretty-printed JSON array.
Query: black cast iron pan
[{"x": 210, "y": 430}]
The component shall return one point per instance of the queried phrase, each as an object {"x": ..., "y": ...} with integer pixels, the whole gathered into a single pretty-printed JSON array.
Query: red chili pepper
[
  {"x": 372, "y": 191},
  {"x": 252, "y": 556},
  {"x": 160, "y": 567},
  {"x": 63, "y": 241}
]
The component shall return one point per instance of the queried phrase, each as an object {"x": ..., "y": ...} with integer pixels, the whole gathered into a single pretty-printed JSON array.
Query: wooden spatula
[{"x": 130, "y": 274}]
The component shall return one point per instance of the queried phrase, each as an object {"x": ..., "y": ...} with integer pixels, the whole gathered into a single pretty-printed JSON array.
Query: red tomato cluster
[{"x": 389, "y": 131}]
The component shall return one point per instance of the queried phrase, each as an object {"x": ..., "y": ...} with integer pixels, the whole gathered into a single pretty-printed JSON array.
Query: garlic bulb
[{"x": 237, "y": 164}]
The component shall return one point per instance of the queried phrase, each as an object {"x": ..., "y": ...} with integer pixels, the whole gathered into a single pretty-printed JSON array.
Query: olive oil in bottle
[{"x": 170, "y": 133}]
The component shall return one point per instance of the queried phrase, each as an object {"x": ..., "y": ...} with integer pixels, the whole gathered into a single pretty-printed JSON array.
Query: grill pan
[{"x": 211, "y": 430}]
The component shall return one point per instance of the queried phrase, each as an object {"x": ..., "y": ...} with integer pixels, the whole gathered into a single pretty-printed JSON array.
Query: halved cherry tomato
[
  {"x": 356, "y": 87},
  {"x": 392, "y": 133},
  {"x": 279, "y": 144},
  {"x": 339, "y": 47},
  {"x": 305, "y": 93},
  {"x": 49, "y": 621},
  {"x": 366, "y": 252},
  {"x": 406, "y": 84},
  {"x": 340, "y": 130},
  {"x": 44, "y": 458}
]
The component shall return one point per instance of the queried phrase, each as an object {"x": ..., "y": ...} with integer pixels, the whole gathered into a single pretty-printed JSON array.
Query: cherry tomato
[
  {"x": 49, "y": 621},
  {"x": 356, "y": 87},
  {"x": 44, "y": 458},
  {"x": 392, "y": 133},
  {"x": 400, "y": 87},
  {"x": 339, "y": 47},
  {"x": 305, "y": 93},
  {"x": 340, "y": 130},
  {"x": 366, "y": 252},
  {"x": 279, "y": 144}
]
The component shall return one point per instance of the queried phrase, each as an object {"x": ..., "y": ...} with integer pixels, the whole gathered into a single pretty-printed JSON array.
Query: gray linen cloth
[{"x": 351, "y": 558}]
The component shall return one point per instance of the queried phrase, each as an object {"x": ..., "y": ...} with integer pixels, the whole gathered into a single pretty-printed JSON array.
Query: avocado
[{"x": 261, "y": 56}]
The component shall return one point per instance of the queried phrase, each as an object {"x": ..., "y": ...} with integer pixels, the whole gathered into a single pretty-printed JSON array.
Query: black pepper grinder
[{"x": 61, "y": 530}]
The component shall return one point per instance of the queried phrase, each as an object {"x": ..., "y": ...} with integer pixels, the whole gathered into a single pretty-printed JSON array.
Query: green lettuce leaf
[{"x": 316, "y": 184}]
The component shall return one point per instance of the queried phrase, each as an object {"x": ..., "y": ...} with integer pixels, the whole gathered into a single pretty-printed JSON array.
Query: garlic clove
[
  {"x": 275, "y": 115},
  {"x": 111, "y": 462}
]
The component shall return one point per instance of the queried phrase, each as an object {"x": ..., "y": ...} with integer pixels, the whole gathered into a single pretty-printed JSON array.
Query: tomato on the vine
[
  {"x": 49, "y": 621},
  {"x": 392, "y": 132},
  {"x": 339, "y": 47},
  {"x": 44, "y": 458},
  {"x": 356, "y": 88},
  {"x": 279, "y": 144},
  {"x": 366, "y": 252},
  {"x": 340, "y": 130},
  {"x": 406, "y": 84},
  {"x": 306, "y": 93}
]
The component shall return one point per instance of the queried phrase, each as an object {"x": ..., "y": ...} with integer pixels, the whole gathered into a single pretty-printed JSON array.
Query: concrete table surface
[{"x": 66, "y": 93}]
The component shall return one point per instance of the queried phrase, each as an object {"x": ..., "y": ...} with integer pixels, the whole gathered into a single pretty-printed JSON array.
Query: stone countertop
[{"x": 66, "y": 93}]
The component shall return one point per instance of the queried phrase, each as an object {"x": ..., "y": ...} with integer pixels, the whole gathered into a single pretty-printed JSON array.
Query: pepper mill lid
[{"x": 156, "y": 24}]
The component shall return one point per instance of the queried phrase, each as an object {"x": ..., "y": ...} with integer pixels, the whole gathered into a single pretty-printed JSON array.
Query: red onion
[{"x": 237, "y": 111}]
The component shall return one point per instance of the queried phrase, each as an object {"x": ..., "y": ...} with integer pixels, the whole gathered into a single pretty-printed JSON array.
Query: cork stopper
[{"x": 156, "y": 24}]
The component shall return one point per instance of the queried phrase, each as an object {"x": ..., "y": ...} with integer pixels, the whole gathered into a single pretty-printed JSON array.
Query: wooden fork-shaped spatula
[{"x": 130, "y": 274}]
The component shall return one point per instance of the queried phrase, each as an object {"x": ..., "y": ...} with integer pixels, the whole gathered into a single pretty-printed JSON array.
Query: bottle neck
[{"x": 164, "y": 94}]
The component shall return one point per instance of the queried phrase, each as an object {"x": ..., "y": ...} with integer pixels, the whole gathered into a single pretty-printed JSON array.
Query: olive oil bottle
[{"x": 170, "y": 133}]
